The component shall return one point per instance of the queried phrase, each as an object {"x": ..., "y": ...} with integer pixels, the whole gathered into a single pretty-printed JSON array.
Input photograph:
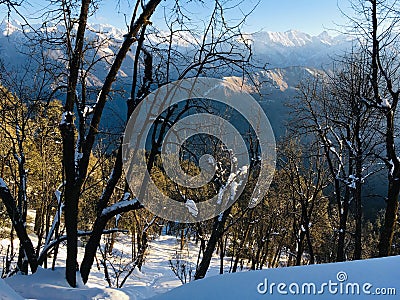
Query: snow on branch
[
  {"x": 67, "y": 118},
  {"x": 121, "y": 206},
  {"x": 384, "y": 103},
  {"x": 57, "y": 216}
]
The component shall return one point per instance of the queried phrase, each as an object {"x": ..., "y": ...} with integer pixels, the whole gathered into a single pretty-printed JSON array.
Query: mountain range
[
  {"x": 275, "y": 49},
  {"x": 289, "y": 56}
]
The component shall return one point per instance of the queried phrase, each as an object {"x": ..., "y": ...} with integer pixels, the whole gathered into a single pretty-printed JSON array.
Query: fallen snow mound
[
  {"x": 7, "y": 293},
  {"x": 46, "y": 284}
]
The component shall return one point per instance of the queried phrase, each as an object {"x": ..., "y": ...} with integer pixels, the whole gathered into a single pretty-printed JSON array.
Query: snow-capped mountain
[
  {"x": 294, "y": 48},
  {"x": 275, "y": 49},
  {"x": 290, "y": 57}
]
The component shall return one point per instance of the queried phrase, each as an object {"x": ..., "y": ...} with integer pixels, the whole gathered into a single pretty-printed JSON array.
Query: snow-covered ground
[
  {"x": 156, "y": 277},
  {"x": 367, "y": 279},
  {"x": 159, "y": 281}
]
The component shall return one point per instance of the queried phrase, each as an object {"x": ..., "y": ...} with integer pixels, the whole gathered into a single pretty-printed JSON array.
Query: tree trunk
[
  {"x": 20, "y": 229},
  {"x": 221, "y": 256},
  {"x": 387, "y": 231},
  {"x": 95, "y": 237},
  {"x": 217, "y": 232},
  {"x": 67, "y": 128}
]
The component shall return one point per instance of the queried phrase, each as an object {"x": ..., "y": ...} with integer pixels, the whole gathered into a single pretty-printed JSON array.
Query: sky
[{"x": 310, "y": 16}]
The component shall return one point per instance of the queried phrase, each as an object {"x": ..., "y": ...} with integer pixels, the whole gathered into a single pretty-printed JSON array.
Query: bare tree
[
  {"x": 334, "y": 111},
  {"x": 307, "y": 180},
  {"x": 377, "y": 29}
]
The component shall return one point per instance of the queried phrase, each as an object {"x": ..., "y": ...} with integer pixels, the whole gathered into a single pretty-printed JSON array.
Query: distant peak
[
  {"x": 324, "y": 33},
  {"x": 8, "y": 26}
]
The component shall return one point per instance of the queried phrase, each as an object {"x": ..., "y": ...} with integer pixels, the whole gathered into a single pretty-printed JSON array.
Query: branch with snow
[
  {"x": 63, "y": 238},
  {"x": 67, "y": 118},
  {"x": 384, "y": 103},
  {"x": 121, "y": 206},
  {"x": 57, "y": 216}
]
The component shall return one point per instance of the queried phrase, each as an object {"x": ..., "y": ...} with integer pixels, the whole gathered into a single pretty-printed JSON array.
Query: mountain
[
  {"x": 290, "y": 56},
  {"x": 294, "y": 48},
  {"x": 275, "y": 49},
  {"x": 276, "y": 88}
]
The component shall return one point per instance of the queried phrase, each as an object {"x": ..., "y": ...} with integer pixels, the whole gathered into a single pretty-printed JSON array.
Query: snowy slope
[
  {"x": 158, "y": 280},
  {"x": 7, "y": 293},
  {"x": 51, "y": 285},
  {"x": 156, "y": 276},
  {"x": 368, "y": 278}
]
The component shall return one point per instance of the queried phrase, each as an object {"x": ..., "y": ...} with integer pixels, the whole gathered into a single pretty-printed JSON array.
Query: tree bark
[
  {"x": 95, "y": 237},
  {"x": 15, "y": 217},
  {"x": 217, "y": 232},
  {"x": 67, "y": 128}
]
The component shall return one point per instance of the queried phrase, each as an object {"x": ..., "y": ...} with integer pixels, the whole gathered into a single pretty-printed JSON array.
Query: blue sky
[{"x": 310, "y": 16}]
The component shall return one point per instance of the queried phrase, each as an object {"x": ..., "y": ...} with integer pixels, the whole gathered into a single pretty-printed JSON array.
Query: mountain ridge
[{"x": 274, "y": 49}]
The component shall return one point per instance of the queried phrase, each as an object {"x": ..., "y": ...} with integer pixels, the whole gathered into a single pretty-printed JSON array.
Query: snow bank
[
  {"x": 157, "y": 279},
  {"x": 7, "y": 293},
  {"x": 349, "y": 280},
  {"x": 46, "y": 284}
]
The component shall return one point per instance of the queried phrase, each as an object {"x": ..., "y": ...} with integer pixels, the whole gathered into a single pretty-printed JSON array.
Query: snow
[
  {"x": 220, "y": 217},
  {"x": 98, "y": 97},
  {"x": 156, "y": 276},
  {"x": 391, "y": 167},
  {"x": 156, "y": 279},
  {"x": 243, "y": 170},
  {"x": 65, "y": 116},
  {"x": 46, "y": 284},
  {"x": 88, "y": 110},
  {"x": 7, "y": 293},
  {"x": 78, "y": 156},
  {"x": 220, "y": 194},
  {"x": 117, "y": 218},
  {"x": 117, "y": 205},
  {"x": 234, "y": 187},
  {"x": 56, "y": 216},
  {"x": 233, "y": 183},
  {"x": 191, "y": 206},
  {"x": 264, "y": 284},
  {"x": 3, "y": 184},
  {"x": 126, "y": 197},
  {"x": 385, "y": 103},
  {"x": 8, "y": 27}
]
